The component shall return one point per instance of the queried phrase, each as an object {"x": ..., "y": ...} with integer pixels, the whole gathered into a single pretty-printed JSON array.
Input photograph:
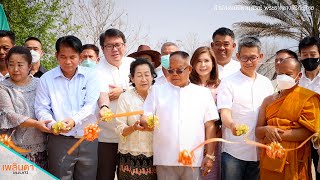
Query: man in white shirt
[
  {"x": 239, "y": 99},
  {"x": 223, "y": 46},
  {"x": 69, "y": 93},
  {"x": 309, "y": 50},
  {"x": 166, "y": 49},
  {"x": 113, "y": 70},
  {"x": 7, "y": 41},
  {"x": 186, "y": 118}
]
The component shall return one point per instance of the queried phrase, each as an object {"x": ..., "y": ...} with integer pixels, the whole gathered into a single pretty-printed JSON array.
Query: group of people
[{"x": 196, "y": 98}]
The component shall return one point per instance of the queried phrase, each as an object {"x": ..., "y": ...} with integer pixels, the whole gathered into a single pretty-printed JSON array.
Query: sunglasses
[{"x": 178, "y": 71}]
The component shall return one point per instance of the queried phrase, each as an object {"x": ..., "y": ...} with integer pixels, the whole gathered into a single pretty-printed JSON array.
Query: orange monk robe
[{"x": 298, "y": 109}]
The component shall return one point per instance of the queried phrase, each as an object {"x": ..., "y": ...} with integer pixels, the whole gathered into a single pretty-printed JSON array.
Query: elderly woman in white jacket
[{"x": 135, "y": 146}]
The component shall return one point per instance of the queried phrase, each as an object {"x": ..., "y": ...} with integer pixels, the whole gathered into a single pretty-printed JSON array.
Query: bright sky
[{"x": 173, "y": 20}]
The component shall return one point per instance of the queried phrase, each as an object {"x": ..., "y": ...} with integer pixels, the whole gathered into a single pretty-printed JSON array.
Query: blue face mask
[
  {"x": 165, "y": 61},
  {"x": 89, "y": 63}
]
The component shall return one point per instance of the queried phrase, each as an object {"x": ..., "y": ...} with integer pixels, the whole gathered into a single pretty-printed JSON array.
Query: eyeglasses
[
  {"x": 111, "y": 46},
  {"x": 251, "y": 58},
  {"x": 178, "y": 71}
]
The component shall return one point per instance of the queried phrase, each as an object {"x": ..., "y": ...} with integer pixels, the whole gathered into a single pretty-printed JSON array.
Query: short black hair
[
  {"x": 69, "y": 41},
  {"x": 23, "y": 51},
  {"x": 309, "y": 41},
  {"x": 31, "y": 38},
  {"x": 10, "y": 34},
  {"x": 101, "y": 39},
  {"x": 223, "y": 31},
  {"x": 92, "y": 47},
  {"x": 288, "y": 51},
  {"x": 111, "y": 33},
  {"x": 292, "y": 54},
  {"x": 141, "y": 61}
]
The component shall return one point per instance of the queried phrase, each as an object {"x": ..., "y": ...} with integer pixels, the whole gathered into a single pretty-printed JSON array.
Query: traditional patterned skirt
[
  {"x": 136, "y": 167},
  {"x": 39, "y": 158}
]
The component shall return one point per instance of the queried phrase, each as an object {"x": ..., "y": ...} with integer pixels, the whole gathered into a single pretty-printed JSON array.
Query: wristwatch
[{"x": 212, "y": 157}]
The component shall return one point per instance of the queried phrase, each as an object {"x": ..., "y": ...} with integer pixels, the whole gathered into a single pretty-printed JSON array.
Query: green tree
[
  {"x": 293, "y": 19},
  {"x": 44, "y": 19}
]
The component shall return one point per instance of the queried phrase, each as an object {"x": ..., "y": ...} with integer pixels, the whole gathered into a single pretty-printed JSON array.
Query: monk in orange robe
[{"x": 288, "y": 117}]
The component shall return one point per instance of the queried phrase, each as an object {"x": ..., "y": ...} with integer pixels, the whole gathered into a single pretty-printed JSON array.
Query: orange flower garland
[
  {"x": 186, "y": 158},
  {"x": 7, "y": 140},
  {"x": 91, "y": 132},
  {"x": 275, "y": 150}
]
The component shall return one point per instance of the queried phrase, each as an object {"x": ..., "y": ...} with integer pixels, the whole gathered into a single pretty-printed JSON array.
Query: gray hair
[
  {"x": 168, "y": 44},
  {"x": 184, "y": 55},
  {"x": 249, "y": 42}
]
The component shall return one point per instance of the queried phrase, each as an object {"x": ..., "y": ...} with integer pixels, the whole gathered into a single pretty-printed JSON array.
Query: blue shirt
[{"x": 59, "y": 98}]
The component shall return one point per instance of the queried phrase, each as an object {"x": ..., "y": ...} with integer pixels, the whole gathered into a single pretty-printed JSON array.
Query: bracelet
[
  {"x": 212, "y": 157},
  {"x": 104, "y": 106},
  {"x": 133, "y": 128}
]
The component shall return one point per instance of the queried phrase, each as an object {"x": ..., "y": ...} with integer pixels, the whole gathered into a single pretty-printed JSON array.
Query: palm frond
[
  {"x": 262, "y": 29},
  {"x": 292, "y": 18}
]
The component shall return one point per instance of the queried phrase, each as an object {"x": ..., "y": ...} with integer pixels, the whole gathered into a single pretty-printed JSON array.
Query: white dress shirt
[
  {"x": 182, "y": 114},
  {"x": 2, "y": 77},
  {"x": 111, "y": 75},
  {"x": 161, "y": 79},
  {"x": 138, "y": 142},
  {"x": 243, "y": 96},
  {"x": 313, "y": 85},
  {"x": 58, "y": 98},
  {"x": 228, "y": 69},
  {"x": 158, "y": 70}
]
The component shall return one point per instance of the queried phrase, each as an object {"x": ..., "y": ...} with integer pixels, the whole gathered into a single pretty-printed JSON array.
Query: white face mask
[
  {"x": 285, "y": 82},
  {"x": 35, "y": 56}
]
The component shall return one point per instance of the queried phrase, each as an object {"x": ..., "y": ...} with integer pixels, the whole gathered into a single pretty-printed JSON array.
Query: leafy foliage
[{"x": 44, "y": 19}]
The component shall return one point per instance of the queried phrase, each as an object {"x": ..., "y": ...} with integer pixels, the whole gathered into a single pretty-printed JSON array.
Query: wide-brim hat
[{"x": 144, "y": 49}]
